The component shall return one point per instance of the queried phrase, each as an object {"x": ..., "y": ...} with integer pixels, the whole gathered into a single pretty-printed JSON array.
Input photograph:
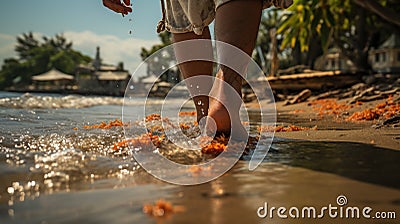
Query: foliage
[
  {"x": 165, "y": 38},
  {"x": 305, "y": 19},
  {"x": 38, "y": 56},
  {"x": 155, "y": 64},
  {"x": 316, "y": 25}
]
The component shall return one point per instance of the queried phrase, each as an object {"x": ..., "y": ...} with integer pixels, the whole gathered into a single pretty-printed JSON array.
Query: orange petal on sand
[
  {"x": 153, "y": 117},
  {"x": 157, "y": 117},
  {"x": 143, "y": 141},
  {"x": 161, "y": 208},
  {"x": 214, "y": 148},
  {"x": 104, "y": 125},
  {"x": 285, "y": 129},
  {"x": 386, "y": 109},
  {"x": 329, "y": 106},
  {"x": 187, "y": 113},
  {"x": 184, "y": 126},
  {"x": 195, "y": 169},
  {"x": 218, "y": 145}
]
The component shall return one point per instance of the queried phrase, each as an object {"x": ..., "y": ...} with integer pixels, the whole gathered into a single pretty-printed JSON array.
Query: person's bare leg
[
  {"x": 236, "y": 23},
  {"x": 196, "y": 68}
]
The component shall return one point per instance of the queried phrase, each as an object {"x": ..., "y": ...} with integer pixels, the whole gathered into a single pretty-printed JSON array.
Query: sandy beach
[
  {"x": 336, "y": 128},
  {"x": 69, "y": 174}
]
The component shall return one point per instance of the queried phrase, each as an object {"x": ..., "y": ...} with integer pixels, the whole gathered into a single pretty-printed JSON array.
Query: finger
[
  {"x": 127, "y": 3},
  {"x": 116, "y": 6}
]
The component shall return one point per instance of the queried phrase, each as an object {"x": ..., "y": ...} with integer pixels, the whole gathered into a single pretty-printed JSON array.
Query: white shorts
[{"x": 183, "y": 16}]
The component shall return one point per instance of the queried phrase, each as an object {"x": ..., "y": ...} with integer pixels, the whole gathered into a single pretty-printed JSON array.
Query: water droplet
[
  {"x": 199, "y": 103},
  {"x": 11, "y": 212},
  {"x": 10, "y": 190},
  {"x": 197, "y": 86}
]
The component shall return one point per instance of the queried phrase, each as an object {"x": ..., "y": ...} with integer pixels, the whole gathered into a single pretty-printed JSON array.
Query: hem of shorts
[
  {"x": 191, "y": 27},
  {"x": 266, "y": 5}
]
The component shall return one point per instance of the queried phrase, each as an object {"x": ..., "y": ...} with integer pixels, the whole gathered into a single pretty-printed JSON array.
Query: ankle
[{"x": 232, "y": 78}]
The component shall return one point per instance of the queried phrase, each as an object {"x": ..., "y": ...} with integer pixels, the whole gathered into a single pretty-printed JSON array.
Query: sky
[{"x": 87, "y": 23}]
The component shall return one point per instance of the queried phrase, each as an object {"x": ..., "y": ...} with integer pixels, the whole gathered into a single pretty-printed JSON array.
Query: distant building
[
  {"x": 334, "y": 60},
  {"x": 386, "y": 59},
  {"x": 53, "y": 81},
  {"x": 98, "y": 78}
]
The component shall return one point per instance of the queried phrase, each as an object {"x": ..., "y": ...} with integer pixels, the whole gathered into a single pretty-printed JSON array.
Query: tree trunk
[
  {"x": 297, "y": 55},
  {"x": 361, "y": 59},
  {"x": 314, "y": 52},
  {"x": 274, "y": 53}
]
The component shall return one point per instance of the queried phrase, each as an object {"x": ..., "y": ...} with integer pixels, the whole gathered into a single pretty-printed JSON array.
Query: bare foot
[
  {"x": 224, "y": 105},
  {"x": 227, "y": 123}
]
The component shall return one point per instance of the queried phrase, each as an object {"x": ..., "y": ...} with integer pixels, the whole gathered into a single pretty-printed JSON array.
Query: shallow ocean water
[{"x": 54, "y": 171}]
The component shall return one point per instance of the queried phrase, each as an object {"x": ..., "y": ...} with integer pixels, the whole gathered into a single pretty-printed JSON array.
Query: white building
[
  {"x": 334, "y": 60},
  {"x": 386, "y": 59}
]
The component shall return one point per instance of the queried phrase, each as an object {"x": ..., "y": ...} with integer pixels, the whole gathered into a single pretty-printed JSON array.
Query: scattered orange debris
[
  {"x": 153, "y": 117},
  {"x": 162, "y": 208},
  {"x": 188, "y": 125},
  {"x": 187, "y": 113},
  {"x": 156, "y": 128},
  {"x": 104, "y": 125},
  {"x": 285, "y": 129},
  {"x": 143, "y": 141},
  {"x": 218, "y": 145},
  {"x": 386, "y": 109},
  {"x": 297, "y": 111},
  {"x": 157, "y": 117},
  {"x": 329, "y": 106},
  {"x": 75, "y": 129},
  {"x": 195, "y": 169},
  {"x": 367, "y": 115},
  {"x": 184, "y": 126},
  {"x": 214, "y": 148}
]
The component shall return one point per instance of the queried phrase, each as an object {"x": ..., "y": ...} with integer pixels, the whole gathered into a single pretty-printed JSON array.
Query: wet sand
[
  {"x": 233, "y": 198},
  {"x": 294, "y": 174},
  {"x": 333, "y": 128}
]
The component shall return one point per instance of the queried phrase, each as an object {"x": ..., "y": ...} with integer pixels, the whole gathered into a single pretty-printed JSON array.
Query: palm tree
[{"x": 25, "y": 44}]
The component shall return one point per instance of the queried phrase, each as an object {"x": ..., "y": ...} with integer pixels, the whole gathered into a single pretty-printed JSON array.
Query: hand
[{"x": 118, "y": 6}]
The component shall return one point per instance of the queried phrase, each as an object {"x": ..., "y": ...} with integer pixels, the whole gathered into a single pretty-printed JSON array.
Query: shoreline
[{"x": 336, "y": 128}]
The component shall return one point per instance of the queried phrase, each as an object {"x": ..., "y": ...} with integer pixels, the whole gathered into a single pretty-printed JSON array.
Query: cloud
[
  {"x": 7, "y": 43},
  {"x": 112, "y": 48}
]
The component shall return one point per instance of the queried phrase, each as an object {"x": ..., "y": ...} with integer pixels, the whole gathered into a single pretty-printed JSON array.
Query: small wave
[{"x": 30, "y": 101}]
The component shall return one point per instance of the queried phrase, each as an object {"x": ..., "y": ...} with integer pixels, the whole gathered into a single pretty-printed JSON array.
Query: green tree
[
  {"x": 38, "y": 56},
  {"x": 158, "y": 64},
  {"x": 165, "y": 38},
  {"x": 306, "y": 24},
  {"x": 387, "y": 9},
  {"x": 343, "y": 24}
]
